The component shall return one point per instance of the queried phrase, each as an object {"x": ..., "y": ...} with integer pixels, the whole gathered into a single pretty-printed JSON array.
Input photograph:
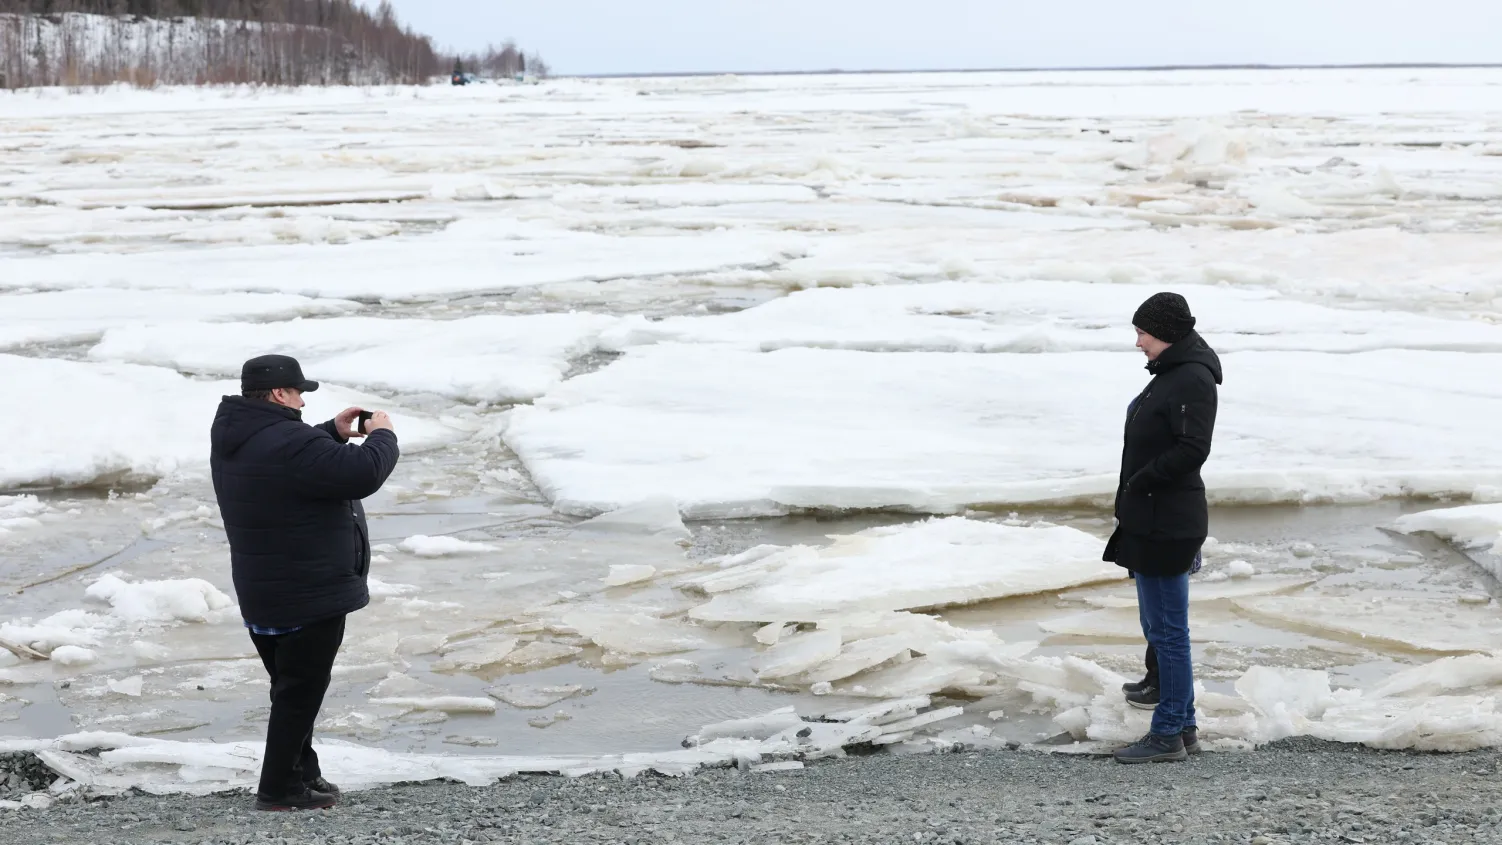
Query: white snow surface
[
  {"x": 469, "y": 256},
  {"x": 84, "y": 314},
  {"x": 190, "y": 600},
  {"x": 424, "y": 546},
  {"x": 1049, "y": 316},
  {"x": 478, "y": 359},
  {"x": 730, "y": 432},
  {"x": 133, "y": 606},
  {"x": 112, "y": 422}
]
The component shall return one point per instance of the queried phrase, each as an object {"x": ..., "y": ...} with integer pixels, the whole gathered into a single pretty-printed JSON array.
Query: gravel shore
[{"x": 1292, "y": 792}]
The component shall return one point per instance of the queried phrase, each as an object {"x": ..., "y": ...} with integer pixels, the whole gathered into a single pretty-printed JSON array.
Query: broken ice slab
[
  {"x": 472, "y": 741},
  {"x": 892, "y": 568},
  {"x": 1122, "y": 623},
  {"x": 540, "y": 653},
  {"x": 919, "y": 676},
  {"x": 1403, "y": 621},
  {"x": 131, "y": 686},
  {"x": 1449, "y": 674},
  {"x": 1471, "y": 527},
  {"x": 443, "y": 703},
  {"x": 655, "y": 517},
  {"x": 797, "y": 654},
  {"x": 1200, "y": 592},
  {"x": 424, "y": 546},
  {"x": 629, "y": 573},
  {"x": 549, "y": 721},
  {"x": 1089, "y": 748},
  {"x": 474, "y": 655},
  {"x": 634, "y": 633},
  {"x": 922, "y": 720},
  {"x": 887, "y": 711},
  {"x": 533, "y": 697},
  {"x": 770, "y": 634},
  {"x": 782, "y": 766},
  {"x": 821, "y": 737},
  {"x": 860, "y": 655},
  {"x": 1449, "y": 723},
  {"x": 688, "y": 672},
  {"x": 397, "y": 685},
  {"x": 753, "y": 727}
]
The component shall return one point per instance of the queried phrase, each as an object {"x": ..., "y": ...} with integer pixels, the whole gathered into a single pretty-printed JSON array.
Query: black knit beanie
[{"x": 1165, "y": 316}]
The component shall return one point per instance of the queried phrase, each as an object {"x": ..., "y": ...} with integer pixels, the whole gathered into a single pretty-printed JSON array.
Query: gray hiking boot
[{"x": 1154, "y": 749}]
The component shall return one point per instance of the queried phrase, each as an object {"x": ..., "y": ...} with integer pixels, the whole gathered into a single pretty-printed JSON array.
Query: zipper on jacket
[
  {"x": 1141, "y": 400},
  {"x": 1184, "y": 416}
]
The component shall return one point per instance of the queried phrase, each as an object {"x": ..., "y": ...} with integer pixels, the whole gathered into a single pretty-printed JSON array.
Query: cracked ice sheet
[
  {"x": 1050, "y": 316},
  {"x": 1453, "y": 271},
  {"x": 1404, "y": 621},
  {"x": 730, "y": 433},
  {"x": 480, "y": 359},
  {"x": 121, "y": 421},
  {"x": 470, "y": 256},
  {"x": 114, "y": 230},
  {"x": 929, "y": 564},
  {"x": 85, "y": 314},
  {"x": 1473, "y": 527}
]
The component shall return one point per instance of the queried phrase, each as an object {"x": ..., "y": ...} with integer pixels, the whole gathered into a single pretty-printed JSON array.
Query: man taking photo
[{"x": 289, "y": 494}]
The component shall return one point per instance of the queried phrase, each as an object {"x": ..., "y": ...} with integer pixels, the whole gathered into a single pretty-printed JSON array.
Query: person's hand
[
  {"x": 345, "y": 423},
  {"x": 380, "y": 421}
]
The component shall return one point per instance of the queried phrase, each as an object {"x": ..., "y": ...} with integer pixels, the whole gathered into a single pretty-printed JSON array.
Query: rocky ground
[{"x": 1293, "y": 792}]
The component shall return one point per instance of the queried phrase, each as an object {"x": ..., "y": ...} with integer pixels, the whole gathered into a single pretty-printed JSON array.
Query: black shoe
[
  {"x": 1191, "y": 737},
  {"x": 1139, "y": 686},
  {"x": 1144, "y": 699},
  {"x": 1154, "y": 749},
  {"x": 318, "y": 784},
  {"x": 308, "y": 799}
]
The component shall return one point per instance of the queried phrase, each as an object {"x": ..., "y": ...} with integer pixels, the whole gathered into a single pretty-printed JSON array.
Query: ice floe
[
  {"x": 930, "y": 564},
  {"x": 493, "y": 359},
  {"x": 108, "y": 423},
  {"x": 727, "y": 432}
]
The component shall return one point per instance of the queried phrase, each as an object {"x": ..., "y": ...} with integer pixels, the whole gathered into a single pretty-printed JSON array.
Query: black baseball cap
[{"x": 269, "y": 372}]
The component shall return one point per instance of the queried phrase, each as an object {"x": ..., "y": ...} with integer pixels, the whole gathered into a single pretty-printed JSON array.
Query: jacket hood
[
  {"x": 1191, "y": 350},
  {"x": 240, "y": 419}
]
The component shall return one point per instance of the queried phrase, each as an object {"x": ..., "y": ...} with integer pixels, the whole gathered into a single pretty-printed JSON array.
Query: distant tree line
[
  {"x": 197, "y": 42},
  {"x": 504, "y": 62}
]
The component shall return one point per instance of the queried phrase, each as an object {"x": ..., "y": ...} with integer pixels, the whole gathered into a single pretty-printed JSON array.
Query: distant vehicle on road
[{"x": 464, "y": 79}]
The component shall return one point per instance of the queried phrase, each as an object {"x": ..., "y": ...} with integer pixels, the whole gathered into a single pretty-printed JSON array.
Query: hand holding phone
[{"x": 363, "y": 419}]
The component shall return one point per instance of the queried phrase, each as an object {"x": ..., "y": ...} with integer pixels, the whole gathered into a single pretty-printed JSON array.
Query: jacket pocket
[
  {"x": 1182, "y": 514},
  {"x": 361, "y": 543},
  {"x": 1137, "y": 510}
]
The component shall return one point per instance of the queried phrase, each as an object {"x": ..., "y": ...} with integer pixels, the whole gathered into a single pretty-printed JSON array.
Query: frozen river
[{"x": 724, "y": 395}]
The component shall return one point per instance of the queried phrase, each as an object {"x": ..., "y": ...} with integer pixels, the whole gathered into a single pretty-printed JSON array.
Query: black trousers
[
  {"x": 1151, "y": 659},
  {"x": 300, "y": 664}
]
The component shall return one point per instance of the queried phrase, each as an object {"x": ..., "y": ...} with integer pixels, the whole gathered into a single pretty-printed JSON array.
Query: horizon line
[{"x": 1062, "y": 69}]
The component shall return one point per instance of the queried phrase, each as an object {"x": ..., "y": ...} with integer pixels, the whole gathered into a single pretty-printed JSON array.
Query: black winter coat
[
  {"x": 289, "y": 494},
  {"x": 1161, "y": 495}
]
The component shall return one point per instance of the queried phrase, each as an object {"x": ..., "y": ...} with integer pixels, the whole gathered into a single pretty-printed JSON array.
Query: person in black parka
[
  {"x": 1162, "y": 515},
  {"x": 289, "y": 495}
]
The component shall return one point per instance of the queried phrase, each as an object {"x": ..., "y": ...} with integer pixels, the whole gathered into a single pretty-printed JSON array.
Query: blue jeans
[{"x": 1163, "y": 604}]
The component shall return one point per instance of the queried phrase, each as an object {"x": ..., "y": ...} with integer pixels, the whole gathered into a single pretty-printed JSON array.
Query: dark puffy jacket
[
  {"x": 1161, "y": 495},
  {"x": 289, "y": 494}
]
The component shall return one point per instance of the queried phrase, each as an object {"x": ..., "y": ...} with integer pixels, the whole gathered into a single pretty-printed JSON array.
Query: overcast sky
[{"x": 655, "y": 36}]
